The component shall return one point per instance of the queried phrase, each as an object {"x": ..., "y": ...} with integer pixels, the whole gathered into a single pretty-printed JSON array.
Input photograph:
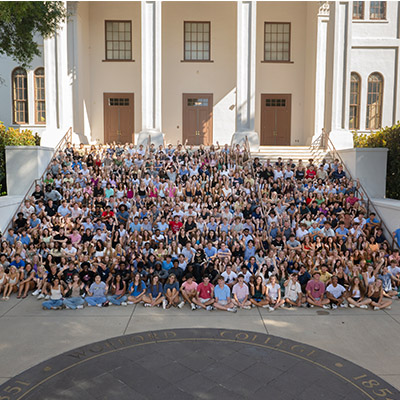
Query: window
[
  {"x": 358, "y": 10},
  {"x": 20, "y": 96},
  {"x": 275, "y": 102},
  {"x": 374, "y": 103},
  {"x": 40, "y": 99},
  {"x": 355, "y": 86},
  {"x": 118, "y": 102},
  {"x": 197, "y": 41},
  {"x": 377, "y": 10},
  {"x": 276, "y": 41},
  {"x": 119, "y": 40},
  {"x": 197, "y": 102}
]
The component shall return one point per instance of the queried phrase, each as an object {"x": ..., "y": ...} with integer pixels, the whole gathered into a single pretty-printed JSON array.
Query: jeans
[
  {"x": 113, "y": 299},
  {"x": 52, "y": 304},
  {"x": 72, "y": 302},
  {"x": 93, "y": 301}
]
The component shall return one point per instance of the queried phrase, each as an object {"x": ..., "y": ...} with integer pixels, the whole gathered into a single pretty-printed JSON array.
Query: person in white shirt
[
  {"x": 335, "y": 293},
  {"x": 274, "y": 294},
  {"x": 293, "y": 293},
  {"x": 229, "y": 276}
]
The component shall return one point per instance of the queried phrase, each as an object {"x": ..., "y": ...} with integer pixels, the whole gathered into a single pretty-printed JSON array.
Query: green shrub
[
  {"x": 388, "y": 137},
  {"x": 13, "y": 137}
]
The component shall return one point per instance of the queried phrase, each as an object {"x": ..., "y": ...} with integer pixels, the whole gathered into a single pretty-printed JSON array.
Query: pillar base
[
  {"x": 240, "y": 138},
  {"x": 156, "y": 137},
  {"x": 341, "y": 139}
]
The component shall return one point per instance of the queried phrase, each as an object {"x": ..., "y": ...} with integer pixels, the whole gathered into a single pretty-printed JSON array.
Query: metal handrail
[
  {"x": 360, "y": 188},
  {"x": 60, "y": 146}
]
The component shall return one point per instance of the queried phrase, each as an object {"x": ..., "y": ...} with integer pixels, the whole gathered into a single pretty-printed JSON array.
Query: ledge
[
  {"x": 370, "y": 21},
  {"x": 197, "y": 61},
  {"x": 117, "y": 60},
  {"x": 276, "y": 62}
]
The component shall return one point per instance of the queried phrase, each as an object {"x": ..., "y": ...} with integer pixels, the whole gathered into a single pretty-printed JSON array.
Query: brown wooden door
[
  {"x": 197, "y": 118},
  {"x": 119, "y": 117},
  {"x": 275, "y": 119}
]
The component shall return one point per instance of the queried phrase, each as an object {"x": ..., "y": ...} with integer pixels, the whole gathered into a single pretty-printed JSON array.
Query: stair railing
[
  {"x": 360, "y": 189},
  {"x": 62, "y": 144}
]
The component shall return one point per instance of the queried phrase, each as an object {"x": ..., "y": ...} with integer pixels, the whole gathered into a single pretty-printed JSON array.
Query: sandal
[{"x": 19, "y": 296}]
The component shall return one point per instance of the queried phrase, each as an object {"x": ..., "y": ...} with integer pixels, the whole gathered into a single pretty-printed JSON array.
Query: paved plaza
[{"x": 30, "y": 335}]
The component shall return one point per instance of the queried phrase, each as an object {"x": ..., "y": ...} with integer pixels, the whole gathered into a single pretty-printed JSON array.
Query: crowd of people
[{"x": 210, "y": 227}]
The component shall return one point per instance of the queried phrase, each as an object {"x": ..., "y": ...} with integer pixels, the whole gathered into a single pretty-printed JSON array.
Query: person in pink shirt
[
  {"x": 205, "y": 294},
  {"x": 188, "y": 292},
  {"x": 240, "y": 293},
  {"x": 315, "y": 292}
]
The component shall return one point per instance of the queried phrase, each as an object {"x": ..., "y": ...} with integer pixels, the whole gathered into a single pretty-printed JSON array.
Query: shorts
[
  {"x": 202, "y": 301},
  {"x": 258, "y": 299},
  {"x": 223, "y": 302}
]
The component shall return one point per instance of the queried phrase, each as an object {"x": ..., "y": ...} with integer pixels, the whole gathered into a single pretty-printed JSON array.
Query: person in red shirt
[
  {"x": 315, "y": 292},
  {"x": 311, "y": 173},
  {"x": 107, "y": 214},
  {"x": 175, "y": 225},
  {"x": 205, "y": 294}
]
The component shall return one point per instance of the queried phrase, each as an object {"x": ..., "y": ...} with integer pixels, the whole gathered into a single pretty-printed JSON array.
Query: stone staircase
[{"x": 294, "y": 152}]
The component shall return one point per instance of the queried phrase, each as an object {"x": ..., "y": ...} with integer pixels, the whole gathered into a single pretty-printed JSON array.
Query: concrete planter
[
  {"x": 23, "y": 165},
  {"x": 369, "y": 165}
]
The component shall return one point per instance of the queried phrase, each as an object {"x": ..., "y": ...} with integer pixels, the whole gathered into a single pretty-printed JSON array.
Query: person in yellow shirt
[{"x": 325, "y": 274}]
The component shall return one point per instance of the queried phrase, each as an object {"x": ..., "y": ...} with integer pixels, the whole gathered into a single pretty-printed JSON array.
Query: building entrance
[
  {"x": 197, "y": 118},
  {"x": 275, "y": 119},
  {"x": 118, "y": 117}
]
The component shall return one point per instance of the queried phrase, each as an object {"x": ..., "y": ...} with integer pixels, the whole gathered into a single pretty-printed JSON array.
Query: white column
[
  {"x": 320, "y": 68},
  {"x": 337, "y": 94},
  {"x": 151, "y": 73},
  {"x": 246, "y": 73},
  {"x": 50, "y": 85}
]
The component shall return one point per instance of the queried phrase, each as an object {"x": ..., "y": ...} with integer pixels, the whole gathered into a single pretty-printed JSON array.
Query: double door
[
  {"x": 197, "y": 118},
  {"x": 275, "y": 119}
]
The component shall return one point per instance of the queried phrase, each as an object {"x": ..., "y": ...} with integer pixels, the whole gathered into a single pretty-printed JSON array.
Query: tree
[
  {"x": 388, "y": 137},
  {"x": 20, "y": 21}
]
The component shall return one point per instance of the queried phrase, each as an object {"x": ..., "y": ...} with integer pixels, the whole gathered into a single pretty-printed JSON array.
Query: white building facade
[{"x": 211, "y": 71}]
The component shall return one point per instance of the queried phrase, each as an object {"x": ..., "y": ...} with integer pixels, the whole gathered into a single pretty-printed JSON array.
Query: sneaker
[
  {"x": 47, "y": 297},
  {"x": 326, "y": 306},
  {"x": 232, "y": 310},
  {"x": 106, "y": 304},
  {"x": 364, "y": 306},
  {"x": 343, "y": 305},
  {"x": 334, "y": 307},
  {"x": 36, "y": 292},
  {"x": 164, "y": 304},
  {"x": 99, "y": 305},
  {"x": 181, "y": 304},
  {"x": 67, "y": 308},
  {"x": 130, "y": 302},
  {"x": 388, "y": 308},
  {"x": 209, "y": 308},
  {"x": 271, "y": 309},
  {"x": 376, "y": 308},
  {"x": 193, "y": 307},
  {"x": 352, "y": 306},
  {"x": 265, "y": 306},
  {"x": 247, "y": 307},
  {"x": 41, "y": 296},
  {"x": 146, "y": 305},
  {"x": 80, "y": 307},
  {"x": 253, "y": 306},
  {"x": 124, "y": 303}
]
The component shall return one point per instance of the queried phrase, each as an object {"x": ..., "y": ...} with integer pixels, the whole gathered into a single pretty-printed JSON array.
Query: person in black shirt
[
  {"x": 38, "y": 193},
  {"x": 20, "y": 223},
  {"x": 67, "y": 273},
  {"x": 104, "y": 272},
  {"x": 50, "y": 208}
]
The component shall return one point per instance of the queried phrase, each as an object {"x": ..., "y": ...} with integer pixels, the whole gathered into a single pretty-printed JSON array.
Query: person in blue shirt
[
  {"x": 250, "y": 250},
  {"x": 210, "y": 250},
  {"x": 25, "y": 238},
  {"x": 167, "y": 264},
  {"x": 18, "y": 262},
  {"x": 136, "y": 289},
  {"x": 222, "y": 294},
  {"x": 135, "y": 226},
  {"x": 155, "y": 293},
  {"x": 342, "y": 232},
  {"x": 396, "y": 236}
]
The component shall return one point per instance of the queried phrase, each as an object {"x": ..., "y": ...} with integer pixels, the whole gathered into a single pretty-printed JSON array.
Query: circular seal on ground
[{"x": 197, "y": 364}]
